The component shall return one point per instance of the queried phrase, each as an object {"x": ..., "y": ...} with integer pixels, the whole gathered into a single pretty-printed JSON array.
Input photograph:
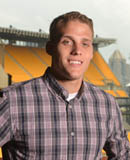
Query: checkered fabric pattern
[{"x": 38, "y": 123}]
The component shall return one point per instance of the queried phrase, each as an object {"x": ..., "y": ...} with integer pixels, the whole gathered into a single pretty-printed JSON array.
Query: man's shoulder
[
  {"x": 23, "y": 84},
  {"x": 100, "y": 98},
  {"x": 96, "y": 91}
]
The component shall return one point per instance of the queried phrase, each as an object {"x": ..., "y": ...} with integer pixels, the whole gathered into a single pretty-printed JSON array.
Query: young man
[{"x": 59, "y": 116}]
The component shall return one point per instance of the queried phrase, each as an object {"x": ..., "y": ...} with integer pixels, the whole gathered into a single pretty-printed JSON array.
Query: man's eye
[
  {"x": 85, "y": 44},
  {"x": 66, "y": 42}
]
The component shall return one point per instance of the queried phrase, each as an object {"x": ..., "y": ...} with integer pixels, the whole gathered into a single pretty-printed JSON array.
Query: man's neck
[{"x": 72, "y": 86}]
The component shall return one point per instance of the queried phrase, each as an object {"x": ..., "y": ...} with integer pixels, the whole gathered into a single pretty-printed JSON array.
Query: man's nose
[{"x": 76, "y": 50}]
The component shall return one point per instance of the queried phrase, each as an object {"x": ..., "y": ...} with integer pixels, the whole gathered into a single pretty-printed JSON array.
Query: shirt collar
[{"x": 56, "y": 87}]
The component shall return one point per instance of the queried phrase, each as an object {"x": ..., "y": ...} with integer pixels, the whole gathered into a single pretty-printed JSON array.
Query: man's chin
[{"x": 75, "y": 77}]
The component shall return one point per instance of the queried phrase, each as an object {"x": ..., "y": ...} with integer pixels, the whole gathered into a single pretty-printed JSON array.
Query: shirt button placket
[{"x": 71, "y": 133}]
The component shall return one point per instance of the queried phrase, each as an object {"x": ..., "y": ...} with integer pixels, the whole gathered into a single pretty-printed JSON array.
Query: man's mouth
[{"x": 75, "y": 62}]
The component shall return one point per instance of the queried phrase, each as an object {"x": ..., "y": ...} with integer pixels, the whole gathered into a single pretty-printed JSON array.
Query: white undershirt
[{"x": 71, "y": 96}]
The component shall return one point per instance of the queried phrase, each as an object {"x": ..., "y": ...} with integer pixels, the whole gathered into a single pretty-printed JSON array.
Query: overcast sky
[{"x": 111, "y": 18}]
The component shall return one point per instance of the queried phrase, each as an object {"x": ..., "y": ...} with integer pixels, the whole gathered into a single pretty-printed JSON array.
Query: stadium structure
[{"x": 23, "y": 57}]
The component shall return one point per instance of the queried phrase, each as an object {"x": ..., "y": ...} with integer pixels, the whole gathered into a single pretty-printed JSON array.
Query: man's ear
[{"x": 50, "y": 48}]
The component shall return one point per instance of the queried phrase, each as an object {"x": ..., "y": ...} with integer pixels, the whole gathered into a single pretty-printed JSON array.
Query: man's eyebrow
[
  {"x": 84, "y": 39},
  {"x": 87, "y": 40},
  {"x": 67, "y": 36}
]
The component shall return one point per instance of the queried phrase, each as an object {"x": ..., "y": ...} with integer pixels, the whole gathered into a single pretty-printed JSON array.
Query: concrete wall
[{"x": 3, "y": 78}]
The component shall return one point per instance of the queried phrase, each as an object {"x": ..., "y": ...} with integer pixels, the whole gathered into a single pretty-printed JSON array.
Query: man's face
[{"x": 74, "y": 51}]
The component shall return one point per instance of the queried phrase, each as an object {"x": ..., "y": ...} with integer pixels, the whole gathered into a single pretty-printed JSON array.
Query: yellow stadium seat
[
  {"x": 93, "y": 75},
  {"x": 0, "y": 153},
  {"x": 129, "y": 136},
  {"x": 104, "y": 68},
  {"x": 43, "y": 55},
  {"x": 23, "y": 64},
  {"x": 111, "y": 92},
  {"x": 121, "y": 93},
  {"x": 13, "y": 69}
]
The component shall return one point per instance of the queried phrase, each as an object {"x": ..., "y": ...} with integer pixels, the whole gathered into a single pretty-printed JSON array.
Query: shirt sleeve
[
  {"x": 5, "y": 120},
  {"x": 117, "y": 145}
]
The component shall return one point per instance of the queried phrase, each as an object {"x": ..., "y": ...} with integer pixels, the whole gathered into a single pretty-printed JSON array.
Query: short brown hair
[{"x": 62, "y": 20}]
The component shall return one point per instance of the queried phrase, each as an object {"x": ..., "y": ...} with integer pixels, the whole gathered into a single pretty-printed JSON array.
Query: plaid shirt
[{"x": 37, "y": 123}]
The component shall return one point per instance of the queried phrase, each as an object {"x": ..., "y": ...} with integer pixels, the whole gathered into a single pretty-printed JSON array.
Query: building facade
[{"x": 120, "y": 68}]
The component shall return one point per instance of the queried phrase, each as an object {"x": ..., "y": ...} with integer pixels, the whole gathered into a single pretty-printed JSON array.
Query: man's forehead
[
  {"x": 72, "y": 22},
  {"x": 70, "y": 29}
]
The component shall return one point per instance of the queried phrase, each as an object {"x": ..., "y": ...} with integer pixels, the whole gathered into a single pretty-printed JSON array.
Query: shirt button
[
  {"x": 70, "y": 106},
  {"x": 72, "y": 134}
]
